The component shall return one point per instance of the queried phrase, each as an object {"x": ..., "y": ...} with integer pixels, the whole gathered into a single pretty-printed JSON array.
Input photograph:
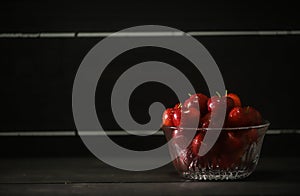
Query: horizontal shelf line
[
  {"x": 38, "y": 133},
  {"x": 115, "y": 133},
  {"x": 148, "y": 34}
]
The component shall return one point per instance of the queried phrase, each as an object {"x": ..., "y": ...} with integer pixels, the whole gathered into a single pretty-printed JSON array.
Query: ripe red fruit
[
  {"x": 215, "y": 103},
  {"x": 212, "y": 156},
  {"x": 252, "y": 135},
  {"x": 255, "y": 116},
  {"x": 196, "y": 143},
  {"x": 199, "y": 101},
  {"x": 177, "y": 106},
  {"x": 244, "y": 116},
  {"x": 246, "y": 136},
  {"x": 205, "y": 121},
  {"x": 167, "y": 117},
  {"x": 236, "y": 99},
  {"x": 179, "y": 140},
  {"x": 232, "y": 150},
  {"x": 233, "y": 144},
  {"x": 190, "y": 117},
  {"x": 179, "y": 148},
  {"x": 176, "y": 116}
]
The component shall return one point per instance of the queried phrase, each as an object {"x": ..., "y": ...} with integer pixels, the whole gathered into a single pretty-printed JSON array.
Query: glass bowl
[{"x": 234, "y": 155}]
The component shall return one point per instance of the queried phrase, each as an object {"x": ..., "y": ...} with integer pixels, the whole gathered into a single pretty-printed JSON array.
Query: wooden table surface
[
  {"x": 277, "y": 173},
  {"x": 88, "y": 175}
]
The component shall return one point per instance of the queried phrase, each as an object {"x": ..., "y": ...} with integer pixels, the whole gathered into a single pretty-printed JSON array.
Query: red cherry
[
  {"x": 212, "y": 156},
  {"x": 199, "y": 101},
  {"x": 196, "y": 143},
  {"x": 252, "y": 135},
  {"x": 167, "y": 117},
  {"x": 206, "y": 121},
  {"x": 246, "y": 136},
  {"x": 232, "y": 150},
  {"x": 178, "y": 148},
  {"x": 242, "y": 117},
  {"x": 255, "y": 116},
  {"x": 233, "y": 144},
  {"x": 179, "y": 141},
  {"x": 176, "y": 116},
  {"x": 177, "y": 106},
  {"x": 215, "y": 103},
  {"x": 190, "y": 117},
  {"x": 236, "y": 99}
]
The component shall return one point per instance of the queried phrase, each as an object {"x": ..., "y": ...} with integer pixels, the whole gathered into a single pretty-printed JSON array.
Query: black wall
[{"x": 37, "y": 73}]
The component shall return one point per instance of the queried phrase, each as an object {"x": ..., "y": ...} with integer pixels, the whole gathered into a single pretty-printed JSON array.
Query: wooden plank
[
  {"x": 59, "y": 146},
  {"x": 57, "y": 16},
  {"x": 39, "y": 75},
  {"x": 91, "y": 170},
  {"x": 74, "y": 170},
  {"x": 61, "y": 176},
  {"x": 183, "y": 188}
]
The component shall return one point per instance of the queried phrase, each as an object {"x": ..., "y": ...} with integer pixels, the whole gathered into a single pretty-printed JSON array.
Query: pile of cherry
[{"x": 231, "y": 145}]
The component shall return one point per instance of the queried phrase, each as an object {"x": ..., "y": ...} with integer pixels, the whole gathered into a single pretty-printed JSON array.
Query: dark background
[
  {"x": 40, "y": 151},
  {"x": 37, "y": 73}
]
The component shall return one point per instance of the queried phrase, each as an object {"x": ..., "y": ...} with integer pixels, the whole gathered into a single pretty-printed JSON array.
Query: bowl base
[{"x": 216, "y": 175}]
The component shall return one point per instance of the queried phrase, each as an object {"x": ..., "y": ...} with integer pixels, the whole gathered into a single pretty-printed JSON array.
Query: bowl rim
[{"x": 265, "y": 124}]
